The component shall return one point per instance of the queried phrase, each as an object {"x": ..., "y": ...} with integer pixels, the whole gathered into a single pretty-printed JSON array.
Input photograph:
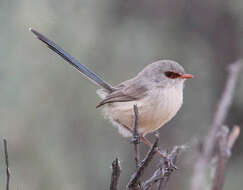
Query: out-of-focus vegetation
[{"x": 57, "y": 139}]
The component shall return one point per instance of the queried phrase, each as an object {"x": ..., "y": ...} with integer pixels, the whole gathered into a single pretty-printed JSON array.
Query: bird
[{"x": 157, "y": 91}]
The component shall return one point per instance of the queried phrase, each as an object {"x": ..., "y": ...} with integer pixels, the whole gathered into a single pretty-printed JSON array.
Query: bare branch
[
  {"x": 157, "y": 176},
  {"x": 225, "y": 142},
  {"x": 136, "y": 137},
  {"x": 163, "y": 173},
  {"x": 223, "y": 106},
  {"x": 134, "y": 180},
  {"x": 116, "y": 170},
  {"x": 6, "y": 163},
  {"x": 222, "y": 158},
  {"x": 170, "y": 165},
  {"x": 200, "y": 166}
]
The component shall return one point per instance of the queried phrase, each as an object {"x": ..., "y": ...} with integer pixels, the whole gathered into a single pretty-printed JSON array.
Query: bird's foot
[
  {"x": 136, "y": 139},
  {"x": 169, "y": 162}
]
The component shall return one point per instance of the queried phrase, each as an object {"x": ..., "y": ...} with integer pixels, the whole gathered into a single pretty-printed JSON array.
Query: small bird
[{"x": 157, "y": 91}]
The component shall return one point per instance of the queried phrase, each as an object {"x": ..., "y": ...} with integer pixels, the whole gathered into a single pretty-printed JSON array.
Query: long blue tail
[{"x": 72, "y": 61}]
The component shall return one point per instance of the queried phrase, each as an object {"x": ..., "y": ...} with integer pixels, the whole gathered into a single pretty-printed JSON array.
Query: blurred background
[{"x": 57, "y": 138}]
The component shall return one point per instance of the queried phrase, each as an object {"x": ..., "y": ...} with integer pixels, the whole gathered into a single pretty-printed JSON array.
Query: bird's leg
[
  {"x": 142, "y": 137},
  {"x": 149, "y": 144}
]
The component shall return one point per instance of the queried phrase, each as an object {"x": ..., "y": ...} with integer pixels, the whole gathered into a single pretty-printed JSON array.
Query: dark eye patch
[{"x": 172, "y": 75}]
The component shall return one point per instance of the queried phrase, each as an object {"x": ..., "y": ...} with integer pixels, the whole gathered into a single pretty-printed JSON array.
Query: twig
[
  {"x": 222, "y": 158},
  {"x": 116, "y": 170},
  {"x": 200, "y": 166},
  {"x": 226, "y": 143},
  {"x": 170, "y": 167},
  {"x": 157, "y": 176},
  {"x": 6, "y": 163},
  {"x": 223, "y": 106},
  {"x": 136, "y": 137},
  {"x": 163, "y": 173},
  {"x": 134, "y": 180}
]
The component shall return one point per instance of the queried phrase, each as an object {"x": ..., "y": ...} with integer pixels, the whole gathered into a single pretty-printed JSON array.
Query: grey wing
[{"x": 125, "y": 93}]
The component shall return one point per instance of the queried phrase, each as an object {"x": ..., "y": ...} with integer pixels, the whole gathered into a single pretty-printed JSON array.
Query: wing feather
[{"x": 125, "y": 93}]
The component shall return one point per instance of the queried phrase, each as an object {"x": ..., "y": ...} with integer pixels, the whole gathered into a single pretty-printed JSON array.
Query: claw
[
  {"x": 136, "y": 139},
  {"x": 170, "y": 164}
]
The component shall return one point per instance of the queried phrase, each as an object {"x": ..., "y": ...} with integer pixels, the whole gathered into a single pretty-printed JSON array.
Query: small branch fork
[
  {"x": 224, "y": 142},
  {"x": 134, "y": 184},
  {"x": 223, "y": 107},
  {"x": 163, "y": 173}
]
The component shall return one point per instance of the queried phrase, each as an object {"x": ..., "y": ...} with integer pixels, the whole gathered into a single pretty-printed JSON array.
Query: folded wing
[{"x": 125, "y": 93}]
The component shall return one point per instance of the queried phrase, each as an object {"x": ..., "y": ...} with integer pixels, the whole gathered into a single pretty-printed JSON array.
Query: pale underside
[{"x": 155, "y": 109}]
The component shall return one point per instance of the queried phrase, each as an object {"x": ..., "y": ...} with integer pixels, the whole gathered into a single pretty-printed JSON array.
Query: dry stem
[
  {"x": 6, "y": 163},
  {"x": 199, "y": 174},
  {"x": 116, "y": 170}
]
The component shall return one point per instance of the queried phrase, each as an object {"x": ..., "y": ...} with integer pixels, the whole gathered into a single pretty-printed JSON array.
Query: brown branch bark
[
  {"x": 116, "y": 170},
  {"x": 199, "y": 173}
]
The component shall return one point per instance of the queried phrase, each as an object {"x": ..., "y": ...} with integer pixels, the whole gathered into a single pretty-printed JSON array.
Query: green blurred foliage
[{"x": 57, "y": 139}]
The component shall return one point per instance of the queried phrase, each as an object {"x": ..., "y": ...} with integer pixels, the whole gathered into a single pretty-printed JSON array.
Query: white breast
[
  {"x": 164, "y": 105},
  {"x": 157, "y": 108}
]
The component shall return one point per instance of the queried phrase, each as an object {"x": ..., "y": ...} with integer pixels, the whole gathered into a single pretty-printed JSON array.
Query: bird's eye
[{"x": 172, "y": 75}]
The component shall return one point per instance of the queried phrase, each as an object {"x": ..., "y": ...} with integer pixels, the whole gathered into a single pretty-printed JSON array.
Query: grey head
[{"x": 164, "y": 73}]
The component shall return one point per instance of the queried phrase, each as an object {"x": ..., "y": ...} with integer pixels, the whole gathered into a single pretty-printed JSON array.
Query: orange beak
[{"x": 186, "y": 76}]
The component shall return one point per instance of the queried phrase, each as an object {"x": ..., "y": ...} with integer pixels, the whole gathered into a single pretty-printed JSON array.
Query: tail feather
[{"x": 72, "y": 61}]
